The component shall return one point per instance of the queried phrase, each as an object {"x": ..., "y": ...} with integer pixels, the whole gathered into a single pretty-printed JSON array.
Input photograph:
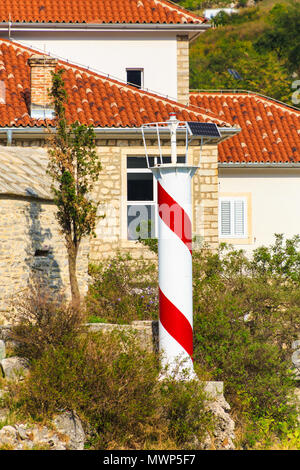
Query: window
[
  {"x": 135, "y": 77},
  {"x": 142, "y": 197},
  {"x": 233, "y": 217}
]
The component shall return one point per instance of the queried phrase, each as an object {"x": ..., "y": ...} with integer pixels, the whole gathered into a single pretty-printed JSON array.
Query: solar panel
[
  {"x": 235, "y": 74},
  {"x": 203, "y": 129}
]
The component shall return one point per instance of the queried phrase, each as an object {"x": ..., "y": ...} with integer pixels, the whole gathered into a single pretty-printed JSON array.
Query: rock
[
  {"x": 70, "y": 425},
  {"x": 2, "y": 350},
  {"x": 223, "y": 434},
  {"x": 23, "y": 437},
  {"x": 8, "y": 436},
  {"x": 68, "y": 435},
  {"x": 22, "y": 431},
  {"x": 14, "y": 367}
]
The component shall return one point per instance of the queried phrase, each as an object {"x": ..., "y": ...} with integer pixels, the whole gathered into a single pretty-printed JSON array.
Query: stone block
[{"x": 14, "y": 367}]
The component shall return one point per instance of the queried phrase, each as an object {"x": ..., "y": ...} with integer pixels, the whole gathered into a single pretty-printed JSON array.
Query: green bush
[
  {"x": 44, "y": 320},
  {"x": 246, "y": 315},
  {"x": 113, "y": 385},
  {"x": 123, "y": 290}
]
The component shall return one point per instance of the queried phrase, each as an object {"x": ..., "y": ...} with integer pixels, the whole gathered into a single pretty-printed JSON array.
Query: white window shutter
[
  {"x": 239, "y": 218},
  {"x": 225, "y": 218}
]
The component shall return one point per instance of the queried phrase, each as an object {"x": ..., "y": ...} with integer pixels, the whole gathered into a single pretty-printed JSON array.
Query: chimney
[{"x": 41, "y": 82}]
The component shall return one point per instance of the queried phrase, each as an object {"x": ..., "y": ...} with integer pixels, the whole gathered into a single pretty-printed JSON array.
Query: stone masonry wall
[
  {"x": 183, "y": 72},
  {"x": 111, "y": 192},
  {"x": 206, "y": 197},
  {"x": 31, "y": 246}
]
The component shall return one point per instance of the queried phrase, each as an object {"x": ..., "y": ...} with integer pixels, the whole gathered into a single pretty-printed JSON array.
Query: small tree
[{"x": 74, "y": 166}]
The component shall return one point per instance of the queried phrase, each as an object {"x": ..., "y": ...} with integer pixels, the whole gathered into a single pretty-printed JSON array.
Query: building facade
[
  {"x": 258, "y": 169},
  {"x": 246, "y": 187},
  {"x": 126, "y": 190}
]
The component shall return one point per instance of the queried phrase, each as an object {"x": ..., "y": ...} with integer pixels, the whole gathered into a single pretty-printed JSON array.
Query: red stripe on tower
[
  {"x": 174, "y": 217},
  {"x": 176, "y": 324}
]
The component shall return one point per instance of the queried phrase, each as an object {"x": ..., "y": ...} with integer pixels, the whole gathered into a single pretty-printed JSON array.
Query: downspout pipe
[{"x": 9, "y": 135}]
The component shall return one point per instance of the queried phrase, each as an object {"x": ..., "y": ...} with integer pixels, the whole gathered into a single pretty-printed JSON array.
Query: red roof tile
[
  {"x": 270, "y": 130},
  {"x": 95, "y": 11},
  {"x": 92, "y": 99}
]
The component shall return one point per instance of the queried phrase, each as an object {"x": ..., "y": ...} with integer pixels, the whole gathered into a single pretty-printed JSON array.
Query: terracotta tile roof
[
  {"x": 95, "y": 11},
  {"x": 270, "y": 130},
  {"x": 92, "y": 98}
]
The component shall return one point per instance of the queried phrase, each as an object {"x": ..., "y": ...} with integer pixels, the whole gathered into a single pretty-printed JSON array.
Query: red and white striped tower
[{"x": 175, "y": 263}]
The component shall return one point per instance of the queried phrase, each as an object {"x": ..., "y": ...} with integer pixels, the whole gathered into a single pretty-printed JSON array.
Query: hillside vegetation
[
  {"x": 246, "y": 317},
  {"x": 261, "y": 43}
]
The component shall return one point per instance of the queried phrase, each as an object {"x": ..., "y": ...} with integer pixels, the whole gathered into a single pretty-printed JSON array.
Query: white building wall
[
  {"x": 113, "y": 52},
  {"x": 274, "y": 202}
]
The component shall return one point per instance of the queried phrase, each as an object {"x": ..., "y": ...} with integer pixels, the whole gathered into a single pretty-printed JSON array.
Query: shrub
[
  {"x": 44, "y": 320},
  {"x": 112, "y": 384},
  {"x": 246, "y": 315},
  {"x": 123, "y": 290}
]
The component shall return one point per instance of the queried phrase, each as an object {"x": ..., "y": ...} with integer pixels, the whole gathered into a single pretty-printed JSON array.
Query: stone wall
[
  {"x": 183, "y": 71},
  {"x": 31, "y": 247},
  {"x": 111, "y": 191},
  {"x": 206, "y": 197},
  {"x": 28, "y": 224}
]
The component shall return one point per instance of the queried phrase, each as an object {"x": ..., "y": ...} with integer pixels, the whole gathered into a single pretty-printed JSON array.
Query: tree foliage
[
  {"x": 266, "y": 65},
  {"x": 283, "y": 34},
  {"x": 74, "y": 167}
]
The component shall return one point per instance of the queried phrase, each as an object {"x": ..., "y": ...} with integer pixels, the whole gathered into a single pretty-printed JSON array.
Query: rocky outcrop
[
  {"x": 70, "y": 425},
  {"x": 14, "y": 367},
  {"x": 223, "y": 436},
  {"x": 67, "y": 434}
]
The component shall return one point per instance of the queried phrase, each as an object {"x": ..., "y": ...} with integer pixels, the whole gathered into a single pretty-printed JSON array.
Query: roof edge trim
[
  {"x": 258, "y": 165},
  {"x": 85, "y": 27}
]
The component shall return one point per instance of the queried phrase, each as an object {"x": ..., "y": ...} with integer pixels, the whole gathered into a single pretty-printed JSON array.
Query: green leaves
[
  {"x": 74, "y": 166},
  {"x": 283, "y": 34},
  {"x": 263, "y": 56},
  {"x": 246, "y": 315}
]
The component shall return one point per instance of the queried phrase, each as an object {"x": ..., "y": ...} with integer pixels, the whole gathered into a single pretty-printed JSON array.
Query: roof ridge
[{"x": 123, "y": 85}]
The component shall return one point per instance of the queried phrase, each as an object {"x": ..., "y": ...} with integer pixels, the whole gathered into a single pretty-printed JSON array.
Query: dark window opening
[
  {"x": 139, "y": 187},
  {"x": 141, "y": 162},
  {"x": 42, "y": 252},
  {"x": 135, "y": 77}
]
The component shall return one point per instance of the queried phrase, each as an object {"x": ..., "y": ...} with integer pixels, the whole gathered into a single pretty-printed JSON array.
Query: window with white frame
[
  {"x": 233, "y": 217},
  {"x": 142, "y": 197}
]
